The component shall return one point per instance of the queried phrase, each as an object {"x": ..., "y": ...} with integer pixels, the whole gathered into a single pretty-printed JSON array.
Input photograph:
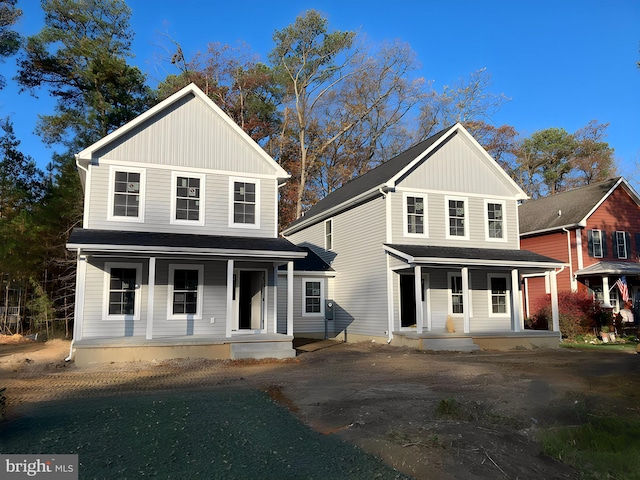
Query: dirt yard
[{"x": 435, "y": 416}]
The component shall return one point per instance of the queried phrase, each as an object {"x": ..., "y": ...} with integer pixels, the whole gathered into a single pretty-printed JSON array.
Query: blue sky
[{"x": 562, "y": 63}]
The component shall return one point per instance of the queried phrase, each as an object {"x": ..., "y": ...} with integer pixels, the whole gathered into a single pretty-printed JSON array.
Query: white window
[
  {"x": 244, "y": 203},
  {"x": 187, "y": 200},
  {"x": 495, "y": 220},
  {"x": 456, "y": 298},
  {"x": 185, "y": 292},
  {"x": 620, "y": 240},
  {"x": 122, "y": 291},
  {"x": 456, "y": 214},
  {"x": 498, "y": 295},
  {"x": 596, "y": 243},
  {"x": 312, "y": 297},
  {"x": 328, "y": 235},
  {"x": 126, "y": 194},
  {"x": 415, "y": 210}
]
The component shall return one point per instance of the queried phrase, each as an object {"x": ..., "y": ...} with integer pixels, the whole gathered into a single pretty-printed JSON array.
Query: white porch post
[
  {"x": 290, "y": 298},
  {"x": 151, "y": 287},
  {"x": 555, "y": 312},
  {"x": 417, "y": 272},
  {"x": 229, "y": 297},
  {"x": 275, "y": 298},
  {"x": 606, "y": 294},
  {"x": 518, "y": 320},
  {"x": 466, "y": 299},
  {"x": 78, "y": 314}
]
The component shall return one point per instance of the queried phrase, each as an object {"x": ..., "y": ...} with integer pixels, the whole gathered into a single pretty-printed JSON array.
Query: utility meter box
[{"x": 329, "y": 307}]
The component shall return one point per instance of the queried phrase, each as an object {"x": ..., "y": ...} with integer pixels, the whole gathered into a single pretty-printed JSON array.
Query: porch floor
[{"x": 467, "y": 342}]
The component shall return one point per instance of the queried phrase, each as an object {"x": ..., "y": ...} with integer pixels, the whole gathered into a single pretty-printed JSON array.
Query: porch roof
[
  {"x": 116, "y": 241},
  {"x": 494, "y": 257},
  {"x": 610, "y": 268}
]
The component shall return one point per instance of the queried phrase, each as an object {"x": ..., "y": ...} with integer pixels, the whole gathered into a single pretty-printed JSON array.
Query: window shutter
[
  {"x": 614, "y": 244},
  {"x": 604, "y": 244},
  {"x": 590, "y": 242}
]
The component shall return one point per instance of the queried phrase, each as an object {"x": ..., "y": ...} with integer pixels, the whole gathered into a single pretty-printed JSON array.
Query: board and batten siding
[
  {"x": 459, "y": 166},
  {"x": 360, "y": 263},
  {"x": 188, "y": 134},
  {"x": 438, "y": 225},
  {"x": 157, "y": 200}
]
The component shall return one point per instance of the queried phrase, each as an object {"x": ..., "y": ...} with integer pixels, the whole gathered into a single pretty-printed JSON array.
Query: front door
[{"x": 249, "y": 300}]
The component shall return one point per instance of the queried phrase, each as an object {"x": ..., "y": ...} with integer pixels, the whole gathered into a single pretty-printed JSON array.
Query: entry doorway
[
  {"x": 408, "y": 317},
  {"x": 249, "y": 300}
]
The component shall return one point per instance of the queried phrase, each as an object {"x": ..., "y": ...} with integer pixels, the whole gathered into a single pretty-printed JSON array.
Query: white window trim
[
  {"x": 593, "y": 237},
  {"x": 256, "y": 182},
  {"x": 326, "y": 247},
  {"x": 466, "y": 218},
  {"x": 174, "y": 198},
  {"x": 185, "y": 316},
  {"x": 507, "y": 295},
  {"x": 405, "y": 223},
  {"x": 486, "y": 220},
  {"x": 304, "y": 297},
  {"x": 106, "y": 289},
  {"x": 623, "y": 234},
  {"x": 141, "y": 198},
  {"x": 450, "y": 293}
]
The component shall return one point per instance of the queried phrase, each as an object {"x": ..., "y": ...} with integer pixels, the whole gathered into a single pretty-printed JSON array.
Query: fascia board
[{"x": 487, "y": 263}]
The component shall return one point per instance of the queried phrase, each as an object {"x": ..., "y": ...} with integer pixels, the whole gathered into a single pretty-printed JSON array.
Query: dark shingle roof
[
  {"x": 373, "y": 178},
  {"x": 574, "y": 205},
  {"x": 87, "y": 238},
  {"x": 311, "y": 263},
  {"x": 466, "y": 253}
]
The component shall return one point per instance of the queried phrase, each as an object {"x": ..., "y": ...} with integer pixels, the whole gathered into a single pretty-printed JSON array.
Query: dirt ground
[{"x": 435, "y": 416}]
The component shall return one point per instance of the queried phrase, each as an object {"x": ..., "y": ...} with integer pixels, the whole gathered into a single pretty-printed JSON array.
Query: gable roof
[
  {"x": 384, "y": 177},
  {"x": 568, "y": 209},
  {"x": 85, "y": 156}
]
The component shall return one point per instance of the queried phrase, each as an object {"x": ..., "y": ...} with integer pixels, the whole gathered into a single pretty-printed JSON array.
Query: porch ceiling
[
  {"x": 116, "y": 241},
  {"x": 490, "y": 257},
  {"x": 610, "y": 268}
]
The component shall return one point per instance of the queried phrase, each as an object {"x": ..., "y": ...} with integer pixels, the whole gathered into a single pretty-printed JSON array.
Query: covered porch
[
  {"x": 465, "y": 298},
  {"x": 144, "y": 296}
]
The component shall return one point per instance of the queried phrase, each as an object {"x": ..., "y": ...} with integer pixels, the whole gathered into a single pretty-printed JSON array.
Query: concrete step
[
  {"x": 262, "y": 350},
  {"x": 455, "y": 344}
]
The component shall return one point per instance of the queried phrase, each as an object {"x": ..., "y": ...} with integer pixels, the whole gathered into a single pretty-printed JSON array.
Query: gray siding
[
  {"x": 158, "y": 212},
  {"x": 188, "y": 134},
  {"x": 360, "y": 263},
  {"x": 460, "y": 167},
  {"x": 301, "y": 324},
  {"x": 437, "y": 221}
]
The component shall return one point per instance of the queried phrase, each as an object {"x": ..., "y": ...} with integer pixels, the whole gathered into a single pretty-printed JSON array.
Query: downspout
[{"x": 385, "y": 195}]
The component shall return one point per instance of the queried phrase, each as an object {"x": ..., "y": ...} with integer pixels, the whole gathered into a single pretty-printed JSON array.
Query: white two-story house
[
  {"x": 424, "y": 251},
  {"x": 179, "y": 252}
]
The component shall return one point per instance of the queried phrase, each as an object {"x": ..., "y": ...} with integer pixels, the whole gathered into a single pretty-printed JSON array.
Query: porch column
[
  {"x": 417, "y": 272},
  {"x": 229, "y": 297},
  {"x": 78, "y": 313},
  {"x": 606, "y": 294},
  {"x": 289, "y": 298},
  {"x": 275, "y": 299},
  {"x": 151, "y": 286},
  {"x": 555, "y": 313},
  {"x": 466, "y": 299},
  {"x": 518, "y": 320}
]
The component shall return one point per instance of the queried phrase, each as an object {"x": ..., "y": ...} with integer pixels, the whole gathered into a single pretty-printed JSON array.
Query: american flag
[{"x": 622, "y": 286}]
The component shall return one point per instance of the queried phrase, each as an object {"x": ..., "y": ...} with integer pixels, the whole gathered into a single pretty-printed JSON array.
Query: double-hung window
[
  {"x": 328, "y": 234},
  {"x": 495, "y": 220},
  {"x": 415, "y": 215},
  {"x": 498, "y": 295},
  {"x": 188, "y": 198},
  {"x": 456, "y": 295},
  {"x": 126, "y": 194},
  {"x": 620, "y": 244},
  {"x": 596, "y": 243},
  {"x": 185, "y": 291},
  {"x": 245, "y": 203},
  {"x": 312, "y": 297},
  {"x": 457, "y": 212},
  {"x": 122, "y": 296}
]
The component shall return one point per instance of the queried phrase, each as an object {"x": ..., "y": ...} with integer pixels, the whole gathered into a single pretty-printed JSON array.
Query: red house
[{"x": 596, "y": 231}]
